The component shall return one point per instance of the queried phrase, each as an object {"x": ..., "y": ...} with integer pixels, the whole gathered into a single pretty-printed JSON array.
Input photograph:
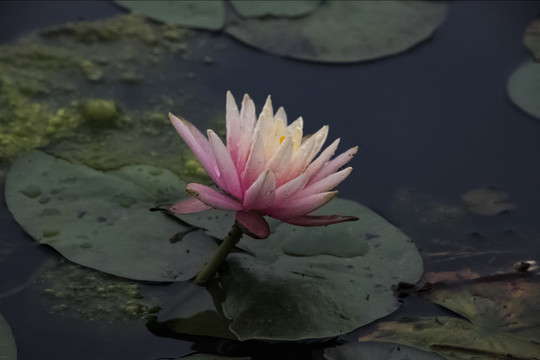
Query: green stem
[{"x": 211, "y": 266}]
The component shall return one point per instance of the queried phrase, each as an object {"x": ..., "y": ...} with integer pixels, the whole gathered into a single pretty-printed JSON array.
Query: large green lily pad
[
  {"x": 207, "y": 14},
  {"x": 502, "y": 321},
  {"x": 102, "y": 220},
  {"x": 373, "y": 350},
  {"x": 8, "y": 349},
  {"x": 524, "y": 88},
  {"x": 305, "y": 283},
  {"x": 262, "y": 8},
  {"x": 344, "y": 31}
]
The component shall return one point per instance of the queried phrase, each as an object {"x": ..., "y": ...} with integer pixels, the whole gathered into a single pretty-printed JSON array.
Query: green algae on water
[
  {"x": 82, "y": 293},
  {"x": 98, "y": 92}
]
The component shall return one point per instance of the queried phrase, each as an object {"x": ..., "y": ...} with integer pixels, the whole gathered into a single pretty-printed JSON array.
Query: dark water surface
[{"x": 436, "y": 119}]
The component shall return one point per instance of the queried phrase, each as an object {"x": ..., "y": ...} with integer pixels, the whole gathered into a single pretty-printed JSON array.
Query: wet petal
[
  {"x": 198, "y": 143},
  {"x": 232, "y": 116},
  {"x": 213, "y": 198},
  {"x": 295, "y": 130},
  {"x": 300, "y": 206},
  {"x": 279, "y": 163},
  {"x": 262, "y": 192},
  {"x": 287, "y": 190},
  {"x": 255, "y": 164},
  {"x": 334, "y": 165},
  {"x": 326, "y": 184},
  {"x": 247, "y": 124},
  {"x": 253, "y": 224},
  {"x": 188, "y": 206},
  {"x": 322, "y": 160},
  {"x": 227, "y": 170},
  {"x": 308, "y": 150},
  {"x": 281, "y": 114}
]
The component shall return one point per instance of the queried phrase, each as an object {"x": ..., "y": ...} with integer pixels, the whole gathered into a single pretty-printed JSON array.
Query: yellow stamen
[{"x": 281, "y": 140}]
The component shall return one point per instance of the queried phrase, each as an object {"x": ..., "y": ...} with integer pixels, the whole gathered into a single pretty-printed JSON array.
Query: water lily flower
[{"x": 267, "y": 167}]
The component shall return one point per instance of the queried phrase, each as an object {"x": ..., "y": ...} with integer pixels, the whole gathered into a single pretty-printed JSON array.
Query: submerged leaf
[
  {"x": 102, "y": 220},
  {"x": 373, "y": 350},
  {"x": 298, "y": 285},
  {"x": 524, "y": 88},
  {"x": 207, "y": 14},
  {"x": 8, "y": 349},
  {"x": 344, "y": 31},
  {"x": 262, "y": 8},
  {"x": 502, "y": 321},
  {"x": 487, "y": 201}
]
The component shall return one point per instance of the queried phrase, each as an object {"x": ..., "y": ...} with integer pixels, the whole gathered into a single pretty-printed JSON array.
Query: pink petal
[
  {"x": 319, "y": 162},
  {"x": 334, "y": 165},
  {"x": 232, "y": 116},
  {"x": 188, "y": 206},
  {"x": 308, "y": 150},
  {"x": 287, "y": 190},
  {"x": 262, "y": 192},
  {"x": 314, "y": 220},
  {"x": 253, "y": 224},
  {"x": 326, "y": 184},
  {"x": 198, "y": 144},
  {"x": 227, "y": 170},
  {"x": 212, "y": 197},
  {"x": 255, "y": 163},
  {"x": 280, "y": 161},
  {"x": 300, "y": 206},
  {"x": 247, "y": 124}
]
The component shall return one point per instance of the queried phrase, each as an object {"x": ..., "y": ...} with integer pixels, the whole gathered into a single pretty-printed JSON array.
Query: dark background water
[{"x": 436, "y": 118}]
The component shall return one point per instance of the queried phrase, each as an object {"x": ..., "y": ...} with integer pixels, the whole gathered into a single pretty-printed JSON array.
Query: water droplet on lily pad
[
  {"x": 50, "y": 212},
  {"x": 44, "y": 199},
  {"x": 106, "y": 215},
  {"x": 31, "y": 191},
  {"x": 50, "y": 233}
]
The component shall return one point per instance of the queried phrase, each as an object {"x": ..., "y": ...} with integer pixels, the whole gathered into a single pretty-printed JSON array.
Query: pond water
[{"x": 432, "y": 124}]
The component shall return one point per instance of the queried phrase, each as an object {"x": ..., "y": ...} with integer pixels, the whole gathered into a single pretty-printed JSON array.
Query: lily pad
[
  {"x": 524, "y": 88},
  {"x": 297, "y": 285},
  {"x": 8, "y": 349},
  {"x": 373, "y": 350},
  {"x": 344, "y": 31},
  {"x": 532, "y": 39},
  {"x": 487, "y": 201},
  {"x": 502, "y": 320},
  {"x": 262, "y": 8},
  {"x": 102, "y": 220},
  {"x": 208, "y": 14}
]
